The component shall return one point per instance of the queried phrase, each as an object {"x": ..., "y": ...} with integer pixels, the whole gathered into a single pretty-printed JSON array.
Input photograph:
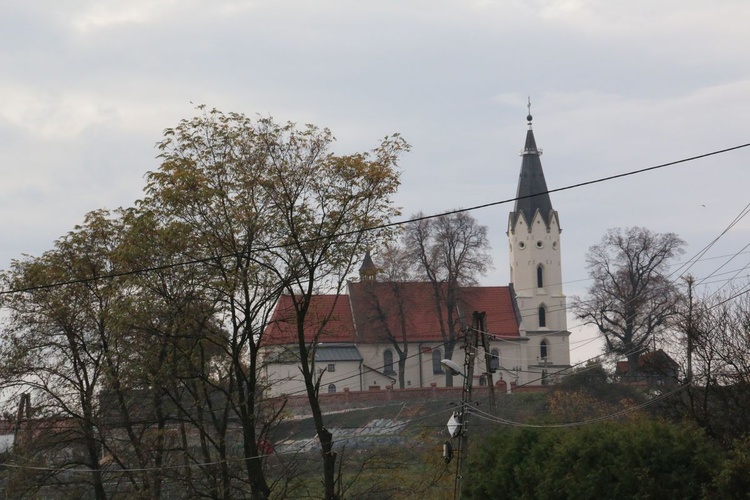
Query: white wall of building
[{"x": 518, "y": 363}]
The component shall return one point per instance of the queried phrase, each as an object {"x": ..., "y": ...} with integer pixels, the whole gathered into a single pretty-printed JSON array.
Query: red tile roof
[
  {"x": 374, "y": 308},
  {"x": 329, "y": 317},
  {"x": 498, "y": 303},
  {"x": 652, "y": 360}
]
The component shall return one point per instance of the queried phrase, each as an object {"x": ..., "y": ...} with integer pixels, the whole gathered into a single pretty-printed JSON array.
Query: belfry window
[
  {"x": 542, "y": 317},
  {"x": 539, "y": 277}
]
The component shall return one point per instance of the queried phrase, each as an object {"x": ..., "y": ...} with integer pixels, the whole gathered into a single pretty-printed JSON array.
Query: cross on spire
[{"x": 528, "y": 117}]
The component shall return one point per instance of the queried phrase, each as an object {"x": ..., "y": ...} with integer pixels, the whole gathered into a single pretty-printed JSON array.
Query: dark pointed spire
[
  {"x": 368, "y": 270},
  {"x": 532, "y": 188}
]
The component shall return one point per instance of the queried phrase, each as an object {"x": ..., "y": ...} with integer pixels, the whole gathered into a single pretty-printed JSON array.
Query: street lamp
[{"x": 452, "y": 367}]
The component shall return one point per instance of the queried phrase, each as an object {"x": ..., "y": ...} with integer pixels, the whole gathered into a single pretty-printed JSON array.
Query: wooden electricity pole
[
  {"x": 487, "y": 359},
  {"x": 471, "y": 342},
  {"x": 689, "y": 279}
]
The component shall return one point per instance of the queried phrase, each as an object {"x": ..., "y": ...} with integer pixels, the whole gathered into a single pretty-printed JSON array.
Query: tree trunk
[
  {"x": 324, "y": 435},
  {"x": 326, "y": 448},
  {"x": 329, "y": 464},
  {"x": 402, "y": 369},
  {"x": 92, "y": 446}
]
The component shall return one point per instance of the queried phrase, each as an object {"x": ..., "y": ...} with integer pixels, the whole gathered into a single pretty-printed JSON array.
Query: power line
[
  {"x": 478, "y": 413},
  {"x": 372, "y": 228},
  {"x": 240, "y": 459},
  {"x": 492, "y": 418},
  {"x": 705, "y": 249}
]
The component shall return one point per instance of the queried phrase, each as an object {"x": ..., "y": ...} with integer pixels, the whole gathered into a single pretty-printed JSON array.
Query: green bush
[{"x": 637, "y": 459}]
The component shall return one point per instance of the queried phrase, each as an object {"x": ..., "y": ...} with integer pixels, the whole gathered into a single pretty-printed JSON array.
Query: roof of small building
[
  {"x": 374, "y": 310},
  {"x": 337, "y": 353},
  {"x": 657, "y": 360}
]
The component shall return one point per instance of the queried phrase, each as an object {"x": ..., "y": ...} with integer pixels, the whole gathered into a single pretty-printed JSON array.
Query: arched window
[
  {"x": 542, "y": 317},
  {"x": 436, "y": 357},
  {"x": 539, "y": 276},
  {"x": 388, "y": 362},
  {"x": 494, "y": 359},
  {"x": 331, "y": 388},
  {"x": 482, "y": 380},
  {"x": 543, "y": 349}
]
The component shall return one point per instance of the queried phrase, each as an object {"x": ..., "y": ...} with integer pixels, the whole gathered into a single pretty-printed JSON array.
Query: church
[{"x": 384, "y": 335}]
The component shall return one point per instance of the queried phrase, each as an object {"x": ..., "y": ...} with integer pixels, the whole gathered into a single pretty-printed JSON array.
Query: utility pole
[
  {"x": 24, "y": 415},
  {"x": 470, "y": 349},
  {"x": 689, "y": 279},
  {"x": 487, "y": 359}
]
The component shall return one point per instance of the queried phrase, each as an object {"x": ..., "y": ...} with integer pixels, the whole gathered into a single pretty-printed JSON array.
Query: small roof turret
[{"x": 368, "y": 270}]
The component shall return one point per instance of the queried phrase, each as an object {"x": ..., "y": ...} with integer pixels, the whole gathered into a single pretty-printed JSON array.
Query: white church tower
[{"x": 536, "y": 269}]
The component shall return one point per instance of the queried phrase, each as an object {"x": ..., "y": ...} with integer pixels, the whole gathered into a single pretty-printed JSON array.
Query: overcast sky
[{"x": 88, "y": 86}]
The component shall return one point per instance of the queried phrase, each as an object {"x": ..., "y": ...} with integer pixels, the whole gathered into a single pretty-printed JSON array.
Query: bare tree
[
  {"x": 449, "y": 251},
  {"x": 713, "y": 329},
  {"x": 631, "y": 297}
]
